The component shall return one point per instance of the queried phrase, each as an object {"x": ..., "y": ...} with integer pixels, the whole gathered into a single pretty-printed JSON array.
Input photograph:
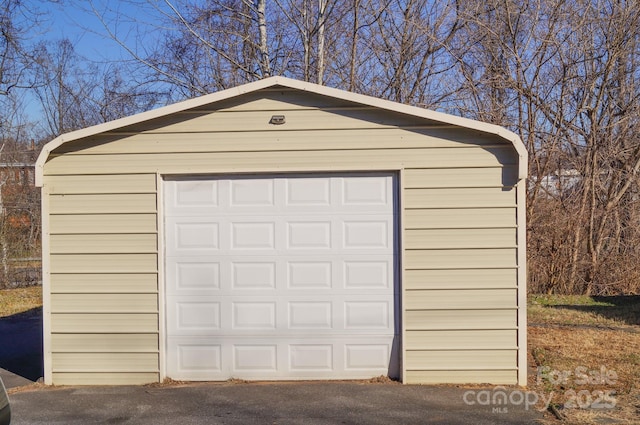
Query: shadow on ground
[
  {"x": 621, "y": 308},
  {"x": 21, "y": 344}
]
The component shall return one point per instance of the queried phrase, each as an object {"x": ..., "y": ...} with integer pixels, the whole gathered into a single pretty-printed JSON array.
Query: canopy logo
[{"x": 500, "y": 399}]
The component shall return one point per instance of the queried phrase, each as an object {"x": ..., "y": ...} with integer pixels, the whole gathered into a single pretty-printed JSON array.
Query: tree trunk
[
  {"x": 265, "y": 62},
  {"x": 322, "y": 9}
]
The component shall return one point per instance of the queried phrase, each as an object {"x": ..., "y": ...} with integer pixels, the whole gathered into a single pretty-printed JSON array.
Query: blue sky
[
  {"x": 64, "y": 19},
  {"x": 74, "y": 20}
]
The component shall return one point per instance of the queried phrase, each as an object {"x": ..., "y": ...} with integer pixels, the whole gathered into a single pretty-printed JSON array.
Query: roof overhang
[{"x": 292, "y": 84}]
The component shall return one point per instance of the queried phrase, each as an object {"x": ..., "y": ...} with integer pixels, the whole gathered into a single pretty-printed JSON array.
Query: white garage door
[{"x": 280, "y": 277}]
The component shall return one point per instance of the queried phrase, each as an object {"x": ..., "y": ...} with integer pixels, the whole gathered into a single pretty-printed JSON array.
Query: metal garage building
[{"x": 284, "y": 230}]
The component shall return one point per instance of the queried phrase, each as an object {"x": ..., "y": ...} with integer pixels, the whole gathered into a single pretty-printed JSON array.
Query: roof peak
[{"x": 291, "y": 84}]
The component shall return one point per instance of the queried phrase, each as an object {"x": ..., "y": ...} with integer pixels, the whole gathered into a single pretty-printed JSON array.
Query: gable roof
[{"x": 292, "y": 84}]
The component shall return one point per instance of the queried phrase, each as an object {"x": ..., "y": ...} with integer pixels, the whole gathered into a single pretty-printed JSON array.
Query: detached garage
[{"x": 284, "y": 230}]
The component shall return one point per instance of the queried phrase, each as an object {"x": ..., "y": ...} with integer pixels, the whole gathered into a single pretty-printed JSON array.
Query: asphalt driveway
[
  {"x": 344, "y": 402},
  {"x": 264, "y": 403},
  {"x": 21, "y": 347}
]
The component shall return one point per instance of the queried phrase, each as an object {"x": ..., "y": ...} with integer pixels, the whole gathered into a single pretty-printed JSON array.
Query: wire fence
[{"x": 21, "y": 272}]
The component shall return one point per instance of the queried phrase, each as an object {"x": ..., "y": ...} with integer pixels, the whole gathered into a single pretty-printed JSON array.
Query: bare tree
[
  {"x": 17, "y": 236},
  {"x": 410, "y": 50},
  {"x": 198, "y": 47},
  {"x": 67, "y": 85},
  {"x": 310, "y": 20},
  {"x": 15, "y": 57},
  {"x": 114, "y": 97},
  {"x": 563, "y": 74},
  {"x": 566, "y": 82}
]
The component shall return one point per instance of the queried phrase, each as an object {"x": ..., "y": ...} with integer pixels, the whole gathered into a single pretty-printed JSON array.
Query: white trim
[
  {"x": 398, "y": 314},
  {"x": 162, "y": 326},
  {"x": 46, "y": 289},
  {"x": 521, "y": 199},
  {"x": 292, "y": 84},
  {"x": 400, "y": 229}
]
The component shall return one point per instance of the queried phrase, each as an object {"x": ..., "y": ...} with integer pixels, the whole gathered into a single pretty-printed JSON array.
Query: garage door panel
[
  {"x": 370, "y": 274},
  {"x": 366, "y": 190},
  {"x": 208, "y": 275},
  {"x": 202, "y": 359},
  {"x": 188, "y": 316},
  {"x": 254, "y": 358},
  {"x": 281, "y": 315},
  {"x": 366, "y": 234},
  {"x": 310, "y": 192},
  {"x": 253, "y": 315},
  {"x": 289, "y": 234},
  {"x": 192, "y": 235},
  {"x": 309, "y": 235},
  {"x": 261, "y": 358},
  {"x": 310, "y": 274},
  {"x": 367, "y": 315},
  {"x": 299, "y": 195},
  {"x": 366, "y": 356},
  {"x": 310, "y": 315},
  {"x": 251, "y": 192},
  {"x": 281, "y": 277},
  {"x": 311, "y": 357},
  {"x": 191, "y": 276},
  {"x": 195, "y": 359},
  {"x": 253, "y": 275},
  {"x": 188, "y": 195},
  {"x": 253, "y": 235}
]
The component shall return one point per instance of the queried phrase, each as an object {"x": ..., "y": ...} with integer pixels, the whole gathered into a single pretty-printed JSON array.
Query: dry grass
[
  {"x": 603, "y": 339},
  {"x": 19, "y": 300}
]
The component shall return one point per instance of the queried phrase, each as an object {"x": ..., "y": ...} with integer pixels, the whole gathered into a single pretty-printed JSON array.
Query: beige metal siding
[
  {"x": 458, "y": 232},
  {"x": 495, "y": 339},
  {"x": 459, "y": 278},
  {"x": 459, "y": 238},
  {"x": 461, "y": 177},
  {"x": 102, "y": 223},
  {"x": 109, "y": 184},
  {"x": 477, "y": 197},
  {"x": 104, "y": 378},
  {"x": 258, "y": 121},
  {"x": 126, "y": 243},
  {"x": 104, "y": 280},
  {"x": 459, "y": 359},
  {"x": 282, "y": 140},
  {"x": 120, "y": 283},
  {"x": 100, "y": 343},
  {"x": 453, "y": 376},
  {"x": 105, "y": 204},
  {"x": 454, "y": 299},
  {"x": 99, "y": 323},
  {"x": 105, "y": 362},
  {"x": 461, "y": 275},
  {"x": 460, "y": 319},
  {"x": 273, "y": 160},
  {"x": 460, "y": 258},
  {"x": 468, "y": 218},
  {"x": 104, "y": 303},
  {"x": 103, "y": 263}
]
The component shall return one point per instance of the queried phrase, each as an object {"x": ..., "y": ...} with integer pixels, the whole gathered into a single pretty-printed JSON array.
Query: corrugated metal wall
[{"x": 459, "y": 276}]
